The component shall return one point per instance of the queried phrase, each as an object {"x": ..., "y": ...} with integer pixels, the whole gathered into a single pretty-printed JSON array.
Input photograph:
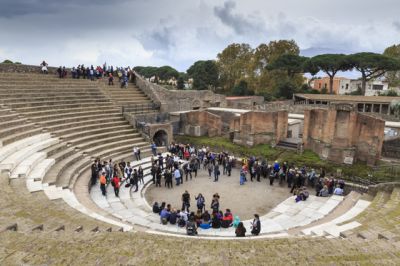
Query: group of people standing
[
  {"x": 124, "y": 74},
  {"x": 116, "y": 174}
]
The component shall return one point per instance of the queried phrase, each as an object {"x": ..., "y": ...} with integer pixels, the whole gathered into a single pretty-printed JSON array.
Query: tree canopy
[
  {"x": 163, "y": 73},
  {"x": 205, "y": 74},
  {"x": 330, "y": 64},
  {"x": 372, "y": 65},
  {"x": 393, "y": 77}
]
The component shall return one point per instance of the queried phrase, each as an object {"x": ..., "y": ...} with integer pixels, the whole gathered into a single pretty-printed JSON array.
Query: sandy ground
[{"x": 253, "y": 197}]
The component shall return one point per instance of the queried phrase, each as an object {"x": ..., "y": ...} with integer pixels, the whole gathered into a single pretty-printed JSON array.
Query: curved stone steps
[
  {"x": 8, "y": 116},
  {"x": 69, "y": 119},
  {"x": 85, "y": 125},
  {"x": 60, "y": 107},
  {"x": 9, "y": 149},
  {"x": 47, "y": 86},
  {"x": 109, "y": 142},
  {"x": 21, "y": 135},
  {"x": 50, "y": 103},
  {"x": 377, "y": 203},
  {"x": 25, "y": 167},
  {"x": 26, "y": 209},
  {"x": 116, "y": 145},
  {"x": 17, "y": 157},
  {"x": 41, "y": 114},
  {"x": 50, "y": 93},
  {"x": 12, "y": 122},
  {"x": 56, "y": 170},
  {"x": 35, "y": 97},
  {"x": 71, "y": 114},
  {"x": 128, "y": 132},
  {"x": 83, "y": 134},
  {"x": 4, "y": 132},
  {"x": 387, "y": 217}
]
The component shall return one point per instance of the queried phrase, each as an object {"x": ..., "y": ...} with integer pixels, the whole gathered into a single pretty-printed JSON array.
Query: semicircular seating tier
[{"x": 51, "y": 129}]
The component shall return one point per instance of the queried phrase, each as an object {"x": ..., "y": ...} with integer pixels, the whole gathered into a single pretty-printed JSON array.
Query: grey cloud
[
  {"x": 158, "y": 39},
  {"x": 13, "y": 8},
  {"x": 396, "y": 24},
  {"x": 240, "y": 24}
]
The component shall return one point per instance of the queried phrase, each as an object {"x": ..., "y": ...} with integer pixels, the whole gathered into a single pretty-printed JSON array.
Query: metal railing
[{"x": 140, "y": 108}]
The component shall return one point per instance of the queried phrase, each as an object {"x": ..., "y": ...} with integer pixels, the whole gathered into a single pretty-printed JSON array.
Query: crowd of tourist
[
  {"x": 202, "y": 218},
  {"x": 183, "y": 163},
  {"x": 124, "y": 74}
]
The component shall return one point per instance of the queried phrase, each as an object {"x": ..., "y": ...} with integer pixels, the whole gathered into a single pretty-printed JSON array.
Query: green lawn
[{"x": 308, "y": 158}]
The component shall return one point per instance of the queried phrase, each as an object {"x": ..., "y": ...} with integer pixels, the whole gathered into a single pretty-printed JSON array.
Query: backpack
[
  {"x": 190, "y": 229},
  {"x": 181, "y": 222}
]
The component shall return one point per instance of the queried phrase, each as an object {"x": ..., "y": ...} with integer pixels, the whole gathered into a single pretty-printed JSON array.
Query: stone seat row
[{"x": 29, "y": 164}]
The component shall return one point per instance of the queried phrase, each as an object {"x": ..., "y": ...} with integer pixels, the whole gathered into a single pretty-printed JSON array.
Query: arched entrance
[{"x": 160, "y": 138}]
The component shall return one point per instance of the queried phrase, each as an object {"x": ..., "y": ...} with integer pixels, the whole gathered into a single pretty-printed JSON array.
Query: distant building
[
  {"x": 323, "y": 83},
  {"x": 343, "y": 86},
  {"x": 373, "y": 87}
]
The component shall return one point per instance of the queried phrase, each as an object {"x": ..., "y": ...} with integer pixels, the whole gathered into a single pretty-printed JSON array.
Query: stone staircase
[
  {"x": 88, "y": 123},
  {"x": 128, "y": 97}
]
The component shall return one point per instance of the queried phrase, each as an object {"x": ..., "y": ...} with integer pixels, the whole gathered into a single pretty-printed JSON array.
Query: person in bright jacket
[
  {"x": 116, "y": 184},
  {"x": 103, "y": 182}
]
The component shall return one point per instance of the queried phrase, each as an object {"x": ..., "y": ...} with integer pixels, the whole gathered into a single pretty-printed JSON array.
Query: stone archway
[{"x": 160, "y": 138}]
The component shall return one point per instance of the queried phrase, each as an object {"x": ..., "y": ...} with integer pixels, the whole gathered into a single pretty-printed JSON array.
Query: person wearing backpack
[{"x": 191, "y": 227}]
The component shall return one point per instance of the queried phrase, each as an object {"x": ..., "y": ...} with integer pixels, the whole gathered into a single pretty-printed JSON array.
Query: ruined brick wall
[
  {"x": 201, "y": 123},
  {"x": 260, "y": 127},
  {"x": 370, "y": 137},
  {"x": 343, "y": 135}
]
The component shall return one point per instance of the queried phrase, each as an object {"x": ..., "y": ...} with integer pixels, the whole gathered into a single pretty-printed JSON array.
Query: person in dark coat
[{"x": 256, "y": 225}]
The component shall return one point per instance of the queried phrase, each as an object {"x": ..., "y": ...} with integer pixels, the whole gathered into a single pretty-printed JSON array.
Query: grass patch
[{"x": 308, "y": 158}]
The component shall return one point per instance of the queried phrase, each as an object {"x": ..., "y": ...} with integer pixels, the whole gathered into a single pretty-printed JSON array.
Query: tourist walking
[
  {"x": 136, "y": 153},
  {"x": 153, "y": 147},
  {"x": 216, "y": 173}
]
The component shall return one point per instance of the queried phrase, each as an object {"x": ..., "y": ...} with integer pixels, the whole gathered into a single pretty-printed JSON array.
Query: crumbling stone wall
[
  {"x": 19, "y": 68},
  {"x": 245, "y": 102},
  {"x": 201, "y": 123},
  {"x": 258, "y": 127},
  {"x": 180, "y": 100},
  {"x": 342, "y": 135}
]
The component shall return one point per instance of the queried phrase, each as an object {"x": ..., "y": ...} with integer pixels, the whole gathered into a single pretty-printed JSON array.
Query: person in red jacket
[{"x": 116, "y": 184}]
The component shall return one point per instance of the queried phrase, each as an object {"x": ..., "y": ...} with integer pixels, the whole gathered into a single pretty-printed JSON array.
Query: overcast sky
[{"x": 180, "y": 32}]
